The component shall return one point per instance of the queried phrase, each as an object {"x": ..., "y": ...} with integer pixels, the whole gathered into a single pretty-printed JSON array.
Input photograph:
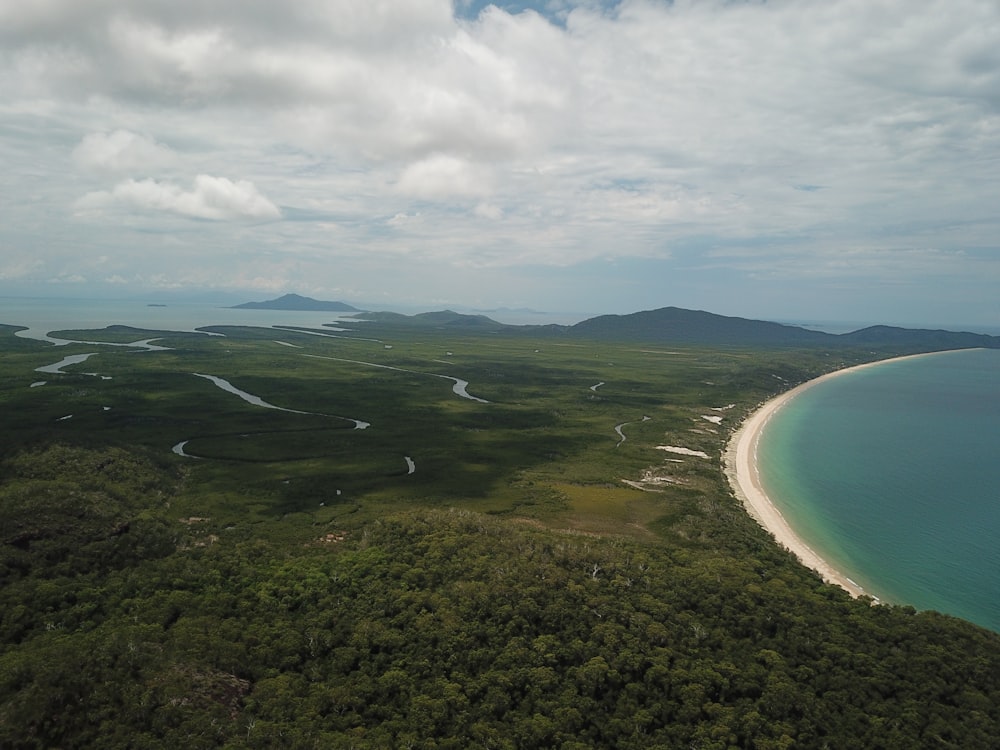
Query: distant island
[
  {"x": 440, "y": 319},
  {"x": 297, "y": 302}
]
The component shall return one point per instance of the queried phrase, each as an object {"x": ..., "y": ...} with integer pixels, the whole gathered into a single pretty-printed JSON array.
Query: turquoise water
[{"x": 892, "y": 474}]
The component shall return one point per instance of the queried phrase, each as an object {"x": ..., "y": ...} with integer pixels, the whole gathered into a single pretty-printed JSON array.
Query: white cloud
[
  {"x": 441, "y": 176},
  {"x": 211, "y": 198},
  {"x": 402, "y": 219},
  {"x": 386, "y": 79},
  {"x": 681, "y": 131},
  {"x": 122, "y": 151},
  {"x": 69, "y": 278},
  {"x": 489, "y": 211},
  {"x": 18, "y": 264}
]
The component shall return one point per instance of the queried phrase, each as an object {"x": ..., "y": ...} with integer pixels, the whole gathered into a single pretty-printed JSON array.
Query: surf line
[
  {"x": 459, "y": 389},
  {"x": 258, "y": 401}
]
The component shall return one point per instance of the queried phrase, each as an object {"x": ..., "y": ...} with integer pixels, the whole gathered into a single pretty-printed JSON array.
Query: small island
[{"x": 297, "y": 302}]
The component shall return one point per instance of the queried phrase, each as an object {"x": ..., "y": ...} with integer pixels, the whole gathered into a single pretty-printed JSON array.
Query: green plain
[{"x": 532, "y": 583}]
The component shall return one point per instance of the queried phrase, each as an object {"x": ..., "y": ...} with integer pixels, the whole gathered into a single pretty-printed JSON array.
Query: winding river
[
  {"x": 258, "y": 401},
  {"x": 72, "y": 359},
  {"x": 618, "y": 429},
  {"x": 459, "y": 387}
]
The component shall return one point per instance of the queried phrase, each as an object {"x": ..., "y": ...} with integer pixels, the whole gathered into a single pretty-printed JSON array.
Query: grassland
[{"x": 544, "y": 446}]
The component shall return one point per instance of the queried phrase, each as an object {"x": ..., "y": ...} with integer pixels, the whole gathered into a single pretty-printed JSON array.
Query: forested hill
[
  {"x": 679, "y": 326},
  {"x": 675, "y": 325},
  {"x": 453, "y": 629},
  {"x": 920, "y": 337}
]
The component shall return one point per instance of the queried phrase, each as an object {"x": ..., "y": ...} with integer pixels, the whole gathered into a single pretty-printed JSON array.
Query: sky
[{"x": 782, "y": 159}]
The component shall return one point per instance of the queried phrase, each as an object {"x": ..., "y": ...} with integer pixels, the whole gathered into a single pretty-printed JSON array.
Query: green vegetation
[{"x": 534, "y": 582}]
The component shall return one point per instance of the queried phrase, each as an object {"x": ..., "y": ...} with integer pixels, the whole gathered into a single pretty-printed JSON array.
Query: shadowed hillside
[{"x": 675, "y": 325}]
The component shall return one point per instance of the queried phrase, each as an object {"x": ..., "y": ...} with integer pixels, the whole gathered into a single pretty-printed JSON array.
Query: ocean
[
  {"x": 41, "y": 315},
  {"x": 892, "y": 474},
  {"x": 52, "y": 314}
]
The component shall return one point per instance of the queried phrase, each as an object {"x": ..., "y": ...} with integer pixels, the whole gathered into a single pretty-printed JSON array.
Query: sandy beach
[{"x": 740, "y": 463}]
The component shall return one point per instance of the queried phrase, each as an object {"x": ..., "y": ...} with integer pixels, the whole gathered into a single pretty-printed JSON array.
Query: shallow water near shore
[
  {"x": 43, "y": 315},
  {"x": 892, "y": 474}
]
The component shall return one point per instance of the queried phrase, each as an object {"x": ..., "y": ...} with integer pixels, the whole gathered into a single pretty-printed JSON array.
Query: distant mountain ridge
[
  {"x": 675, "y": 325},
  {"x": 297, "y": 302},
  {"x": 666, "y": 325},
  {"x": 678, "y": 325},
  {"x": 922, "y": 337}
]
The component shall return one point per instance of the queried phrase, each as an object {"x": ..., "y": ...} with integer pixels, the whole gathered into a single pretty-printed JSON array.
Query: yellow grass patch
[{"x": 606, "y": 509}]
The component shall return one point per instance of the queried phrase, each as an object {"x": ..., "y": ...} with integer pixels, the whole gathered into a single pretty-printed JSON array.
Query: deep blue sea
[{"x": 892, "y": 474}]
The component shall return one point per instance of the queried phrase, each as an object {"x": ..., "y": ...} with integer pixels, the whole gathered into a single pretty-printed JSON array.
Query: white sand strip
[
  {"x": 740, "y": 462},
  {"x": 681, "y": 451}
]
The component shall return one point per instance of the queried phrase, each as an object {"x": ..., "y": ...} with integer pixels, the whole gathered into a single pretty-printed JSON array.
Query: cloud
[
  {"x": 489, "y": 211},
  {"x": 386, "y": 79},
  {"x": 121, "y": 151},
  {"x": 214, "y": 198},
  {"x": 441, "y": 176},
  {"x": 402, "y": 220},
  {"x": 19, "y": 264},
  {"x": 804, "y": 134}
]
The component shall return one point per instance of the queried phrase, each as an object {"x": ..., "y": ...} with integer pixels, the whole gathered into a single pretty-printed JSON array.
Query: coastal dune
[{"x": 740, "y": 463}]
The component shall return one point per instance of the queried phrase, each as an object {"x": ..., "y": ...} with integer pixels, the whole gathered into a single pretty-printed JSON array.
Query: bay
[
  {"x": 43, "y": 315},
  {"x": 891, "y": 474}
]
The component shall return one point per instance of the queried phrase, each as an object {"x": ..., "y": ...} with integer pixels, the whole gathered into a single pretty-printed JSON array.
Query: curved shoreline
[{"x": 740, "y": 466}]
